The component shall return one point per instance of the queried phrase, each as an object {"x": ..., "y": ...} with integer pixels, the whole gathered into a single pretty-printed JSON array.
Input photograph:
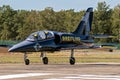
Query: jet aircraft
[{"x": 43, "y": 41}]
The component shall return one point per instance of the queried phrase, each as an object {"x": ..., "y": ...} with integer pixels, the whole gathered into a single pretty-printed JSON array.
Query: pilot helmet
[
  {"x": 46, "y": 32},
  {"x": 35, "y": 35}
]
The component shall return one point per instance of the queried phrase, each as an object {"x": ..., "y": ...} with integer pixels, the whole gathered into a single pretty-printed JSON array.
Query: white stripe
[
  {"x": 92, "y": 77},
  {"x": 58, "y": 79},
  {"x": 22, "y": 75}
]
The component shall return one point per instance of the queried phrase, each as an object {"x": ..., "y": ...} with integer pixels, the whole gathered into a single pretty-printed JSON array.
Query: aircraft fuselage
[{"x": 49, "y": 41}]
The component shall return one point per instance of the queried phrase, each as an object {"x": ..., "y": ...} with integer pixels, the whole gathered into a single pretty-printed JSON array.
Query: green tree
[
  {"x": 116, "y": 23},
  {"x": 7, "y": 22},
  {"x": 18, "y": 24},
  {"x": 22, "y": 27},
  {"x": 102, "y": 20}
]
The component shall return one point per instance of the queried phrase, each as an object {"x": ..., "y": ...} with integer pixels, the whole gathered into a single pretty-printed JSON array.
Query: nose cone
[
  {"x": 13, "y": 49},
  {"x": 20, "y": 47}
]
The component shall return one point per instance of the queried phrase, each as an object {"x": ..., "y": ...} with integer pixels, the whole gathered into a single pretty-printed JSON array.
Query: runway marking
[
  {"x": 22, "y": 75},
  {"x": 91, "y": 77},
  {"x": 67, "y": 77}
]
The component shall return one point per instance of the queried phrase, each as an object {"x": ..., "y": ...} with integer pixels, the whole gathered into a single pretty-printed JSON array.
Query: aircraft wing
[
  {"x": 81, "y": 47},
  {"x": 105, "y": 46},
  {"x": 108, "y": 46},
  {"x": 114, "y": 45}
]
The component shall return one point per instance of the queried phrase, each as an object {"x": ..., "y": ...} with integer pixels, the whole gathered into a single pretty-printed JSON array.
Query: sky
[{"x": 57, "y": 5}]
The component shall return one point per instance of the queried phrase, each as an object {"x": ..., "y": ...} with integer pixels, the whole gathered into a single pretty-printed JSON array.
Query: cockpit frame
[{"x": 40, "y": 35}]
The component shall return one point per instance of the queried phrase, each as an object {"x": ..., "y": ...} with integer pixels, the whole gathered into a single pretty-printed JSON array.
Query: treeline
[{"x": 18, "y": 24}]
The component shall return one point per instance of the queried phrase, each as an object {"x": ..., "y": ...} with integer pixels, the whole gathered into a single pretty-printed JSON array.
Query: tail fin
[{"x": 84, "y": 26}]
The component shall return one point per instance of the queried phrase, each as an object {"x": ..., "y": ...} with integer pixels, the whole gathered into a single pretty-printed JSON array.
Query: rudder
[{"x": 85, "y": 24}]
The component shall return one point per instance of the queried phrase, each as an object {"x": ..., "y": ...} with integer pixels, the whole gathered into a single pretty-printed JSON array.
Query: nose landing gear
[{"x": 27, "y": 61}]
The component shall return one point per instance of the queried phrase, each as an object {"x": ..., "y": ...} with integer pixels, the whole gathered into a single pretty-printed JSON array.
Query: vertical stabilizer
[{"x": 84, "y": 26}]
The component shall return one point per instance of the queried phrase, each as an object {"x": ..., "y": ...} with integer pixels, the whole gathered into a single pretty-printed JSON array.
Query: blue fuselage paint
[{"x": 67, "y": 40}]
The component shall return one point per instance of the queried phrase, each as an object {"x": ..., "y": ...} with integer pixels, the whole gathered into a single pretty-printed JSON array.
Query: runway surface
[{"x": 94, "y": 71}]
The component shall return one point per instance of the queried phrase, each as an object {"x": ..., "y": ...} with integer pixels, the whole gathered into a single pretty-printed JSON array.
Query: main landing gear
[
  {"x": 43, "y": 56},
  {"x": 72, "y": 59},
  {"x": 45, "y": 59}
]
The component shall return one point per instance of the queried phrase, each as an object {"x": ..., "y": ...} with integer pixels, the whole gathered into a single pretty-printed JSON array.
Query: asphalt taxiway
[{"x": 88, "y": 71}]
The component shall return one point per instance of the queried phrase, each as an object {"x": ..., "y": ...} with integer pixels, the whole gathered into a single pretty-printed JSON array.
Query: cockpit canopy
[{"x": 41, "y": 35}]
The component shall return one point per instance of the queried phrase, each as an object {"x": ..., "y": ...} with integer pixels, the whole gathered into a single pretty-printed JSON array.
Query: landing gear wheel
[
  {"x": 27, "y": 61},
  {"x": 72, "y": 60},
  {"x": 45, "y": 60},
  {"x": 110, "y": 50}
]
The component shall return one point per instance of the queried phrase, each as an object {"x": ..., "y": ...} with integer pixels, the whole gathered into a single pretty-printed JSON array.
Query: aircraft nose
[
  {"x": 20, "y": 46},
  {"x": 12, "y": 49}
]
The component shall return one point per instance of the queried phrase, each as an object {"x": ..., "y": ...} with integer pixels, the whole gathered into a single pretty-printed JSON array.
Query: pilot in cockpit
[
  {"x": 35, "y": 36},
  {"x": 41, "y": 35}
]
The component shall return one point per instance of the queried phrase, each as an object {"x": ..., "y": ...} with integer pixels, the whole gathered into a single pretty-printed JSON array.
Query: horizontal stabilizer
[{"x": 102, "y": 36}]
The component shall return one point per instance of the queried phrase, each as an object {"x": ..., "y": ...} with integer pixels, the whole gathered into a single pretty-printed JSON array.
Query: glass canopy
[{"x": 40, "y": 35}]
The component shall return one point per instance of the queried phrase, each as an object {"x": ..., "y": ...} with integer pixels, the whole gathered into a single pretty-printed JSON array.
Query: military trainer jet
[{"x": 43, "y": 41}]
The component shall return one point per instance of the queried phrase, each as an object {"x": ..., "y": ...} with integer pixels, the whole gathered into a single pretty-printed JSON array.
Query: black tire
[
  {"x": 27, "y": 62},
  {"x": 72, "y": 60},
  {"x": 45, "y": 60},
  {"x": 110, "y": 50}
]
